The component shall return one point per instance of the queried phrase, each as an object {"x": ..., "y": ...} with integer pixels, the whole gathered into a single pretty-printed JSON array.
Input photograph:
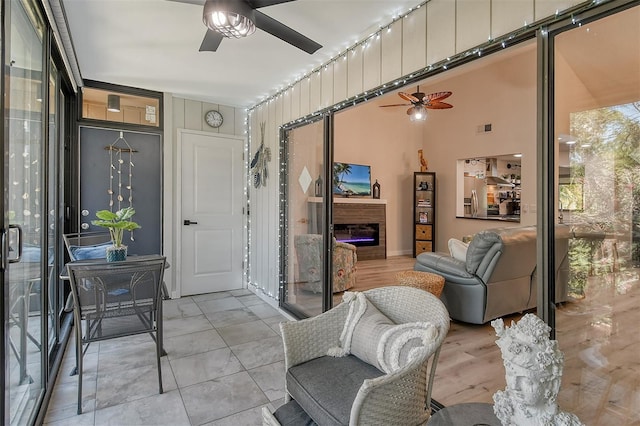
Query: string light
[{"x": 491, "y": 45}]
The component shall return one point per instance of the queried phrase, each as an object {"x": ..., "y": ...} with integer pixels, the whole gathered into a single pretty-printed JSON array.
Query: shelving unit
[{"x": 424, "y": 212}]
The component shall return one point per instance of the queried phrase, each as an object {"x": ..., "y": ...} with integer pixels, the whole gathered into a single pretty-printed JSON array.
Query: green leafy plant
[{"x": 117, "y": 223}]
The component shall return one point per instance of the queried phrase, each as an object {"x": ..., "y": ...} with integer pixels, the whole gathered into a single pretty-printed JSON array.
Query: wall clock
[{"x": 213, "y": 118}]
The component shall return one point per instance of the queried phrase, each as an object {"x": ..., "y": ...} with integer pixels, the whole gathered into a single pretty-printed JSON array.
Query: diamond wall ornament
[{"x": 305, "y": 180}]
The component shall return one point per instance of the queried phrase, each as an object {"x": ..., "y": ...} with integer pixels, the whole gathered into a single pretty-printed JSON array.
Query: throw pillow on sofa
[
  {"x": 458, "y": 249},
  {"x": 375, "y": 339}
]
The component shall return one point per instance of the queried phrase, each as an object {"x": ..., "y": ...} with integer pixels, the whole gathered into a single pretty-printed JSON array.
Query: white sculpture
[{"x": 533, "y": 365}]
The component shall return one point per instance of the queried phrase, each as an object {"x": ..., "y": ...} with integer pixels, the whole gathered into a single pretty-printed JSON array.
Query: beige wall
[
  {"x": 429, "y": 34},
  {"x": 500, "y": 90}
]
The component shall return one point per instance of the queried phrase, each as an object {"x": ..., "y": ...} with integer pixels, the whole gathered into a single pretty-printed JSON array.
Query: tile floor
[{"x": 225, "y": 362}]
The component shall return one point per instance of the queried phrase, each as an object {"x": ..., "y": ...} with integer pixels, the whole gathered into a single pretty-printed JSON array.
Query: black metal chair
[
  {"x": 116, "y": 299},
  {"x": 84, "y": 241}
]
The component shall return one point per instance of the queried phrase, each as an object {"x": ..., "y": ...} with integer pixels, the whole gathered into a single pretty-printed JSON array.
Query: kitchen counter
[{"x": 504, "y": 217}]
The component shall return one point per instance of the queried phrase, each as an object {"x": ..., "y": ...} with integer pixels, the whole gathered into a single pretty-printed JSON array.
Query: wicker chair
[{"x": 402, "y": 397}]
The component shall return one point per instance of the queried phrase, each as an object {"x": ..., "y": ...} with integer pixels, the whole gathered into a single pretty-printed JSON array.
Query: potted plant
[{"x": 117, "y": 223}]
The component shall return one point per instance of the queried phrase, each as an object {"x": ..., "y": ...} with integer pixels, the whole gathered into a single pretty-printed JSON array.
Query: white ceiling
[{"x": 153, "y": 44}]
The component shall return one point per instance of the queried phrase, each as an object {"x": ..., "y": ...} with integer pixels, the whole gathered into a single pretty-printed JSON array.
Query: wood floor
[{"x": 599, "y": 335}]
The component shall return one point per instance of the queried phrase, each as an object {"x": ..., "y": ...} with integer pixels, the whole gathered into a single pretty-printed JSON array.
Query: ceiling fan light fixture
[
  {"x": 113, "y": 103},
  {"x": 232, "y": 19},
  {"x": 419, "y": 113}
]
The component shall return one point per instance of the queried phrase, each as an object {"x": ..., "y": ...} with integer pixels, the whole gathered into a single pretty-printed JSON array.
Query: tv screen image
[{"x": 351, "y": 179}]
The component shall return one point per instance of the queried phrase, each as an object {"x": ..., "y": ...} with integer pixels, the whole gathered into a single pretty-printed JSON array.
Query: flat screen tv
[{"x": 351, "y": 180}]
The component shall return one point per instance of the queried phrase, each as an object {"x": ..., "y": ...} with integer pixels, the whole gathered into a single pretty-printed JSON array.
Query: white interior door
[{"x": 211, "y": 219}]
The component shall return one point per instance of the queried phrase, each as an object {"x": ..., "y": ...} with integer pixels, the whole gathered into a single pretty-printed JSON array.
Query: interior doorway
[{"x": 211, "y": 217}]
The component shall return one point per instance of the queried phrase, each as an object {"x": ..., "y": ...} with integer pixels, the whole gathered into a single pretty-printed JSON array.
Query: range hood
[
  {"x": 492, "y": 172},
  {"x": 496, "y": 180}
]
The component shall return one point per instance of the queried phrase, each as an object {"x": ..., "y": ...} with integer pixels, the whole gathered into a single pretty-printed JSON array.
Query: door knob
[{"x": 188, "y": 222}]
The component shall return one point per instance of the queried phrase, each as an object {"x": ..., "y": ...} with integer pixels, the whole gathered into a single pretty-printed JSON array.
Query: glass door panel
[
  {"x": 53, "y": 298},
  {"x": 596, "y": 114},
  {"x": 303, "y": 253},
  {"x": 24, "y": 212}
]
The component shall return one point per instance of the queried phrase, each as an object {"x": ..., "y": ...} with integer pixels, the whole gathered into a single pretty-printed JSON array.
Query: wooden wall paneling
[
  {"x": 315, "y": 92},
  {"x": 414, "y": 41},
  {"x": 279, "y": 111},
  {"x": 286, "y": 106},
  {"x": 441, "y": 30},
  {"x": 101, "y": 113},
  {"x": 354, "y": 71},
  {"x": 295, "y": 101},
  {"x": 340, "y": 79},
  {"x": 391, "y": 64},
  {"x": 193, "y": 115},
  {"x": 326, "y": 77},
  {"x": 472, "y": 23},
  {"x": 371, "y": 76},
  {"x": 545, "y": 8},
  {"x": 240, "y": 121},
  {"x": 228, "y": 120},
  {"x": 509, "y": 15},
  {"x": 131, "y": 115},
  {"x": 178, "y": 113},
  {"x": 304, "y": 96}
]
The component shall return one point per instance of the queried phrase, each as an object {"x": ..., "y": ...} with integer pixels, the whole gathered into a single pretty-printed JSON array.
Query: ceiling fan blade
[
  {"x": 278, "y": 29},
  {"x": 196, "y": 2},
  {"x": 408, "y": 97},
  {"x": 394, "y": 105},
  {"x": 211, "y": 41},
  {"x": 437, "y": 96},
  {"x": 438, "y": 105},
  {"x": 255, "y": 4}
]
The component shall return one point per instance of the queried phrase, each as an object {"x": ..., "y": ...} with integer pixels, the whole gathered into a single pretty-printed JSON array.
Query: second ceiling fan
[
  {"x": 239, "y": 18},
  {"x": 420, "y": 101}
]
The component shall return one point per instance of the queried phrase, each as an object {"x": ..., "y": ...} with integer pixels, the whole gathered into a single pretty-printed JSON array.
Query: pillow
[
  {"x": 375, "y": 339},
  {"x": 458, "y": 249},
  {"x": 95, "y": 251}
]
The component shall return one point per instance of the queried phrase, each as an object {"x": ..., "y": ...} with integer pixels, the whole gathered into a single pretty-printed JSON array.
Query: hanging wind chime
[{"x": 117, "y": 167}]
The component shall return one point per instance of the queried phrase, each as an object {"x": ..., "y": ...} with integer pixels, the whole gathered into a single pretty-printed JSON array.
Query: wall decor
[
  {"x": 259, "y": 164},
  {"x": 119, "y": 146}
]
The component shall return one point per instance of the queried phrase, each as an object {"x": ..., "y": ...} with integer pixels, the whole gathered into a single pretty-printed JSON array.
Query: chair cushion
[
  {"x": 376, "y": 340},
  {"x": 326, "y": 387},
  {"x": 95, "y": 251}
]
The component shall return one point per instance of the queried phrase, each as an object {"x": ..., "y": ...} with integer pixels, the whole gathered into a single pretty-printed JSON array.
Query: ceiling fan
[
  {"x": 239, "y": 18},
  {"x": 420, "y": 101}
]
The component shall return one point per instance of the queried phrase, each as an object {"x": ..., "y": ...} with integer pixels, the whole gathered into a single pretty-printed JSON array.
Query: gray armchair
[{"x": 498, "y": 276}]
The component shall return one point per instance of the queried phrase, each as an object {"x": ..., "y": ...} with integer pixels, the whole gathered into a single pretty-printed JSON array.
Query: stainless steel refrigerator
[{"x": 475, "y": 194}]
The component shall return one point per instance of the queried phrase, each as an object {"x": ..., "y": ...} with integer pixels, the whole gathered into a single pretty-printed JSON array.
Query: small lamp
[
  {"x": 113, "y": 103},
  {"x": 419, "y": 113},
  {"x": 231, "y": 18}
]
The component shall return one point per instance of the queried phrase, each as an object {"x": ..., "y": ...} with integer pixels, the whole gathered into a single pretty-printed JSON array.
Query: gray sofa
[{"x": 498, "y": 276}]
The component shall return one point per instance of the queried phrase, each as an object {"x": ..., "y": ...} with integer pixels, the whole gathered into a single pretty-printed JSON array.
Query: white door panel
[{"x": 212, "y": 193}]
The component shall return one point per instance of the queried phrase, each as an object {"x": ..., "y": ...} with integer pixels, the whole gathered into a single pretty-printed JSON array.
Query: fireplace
[{"x": 358, "y": 234}]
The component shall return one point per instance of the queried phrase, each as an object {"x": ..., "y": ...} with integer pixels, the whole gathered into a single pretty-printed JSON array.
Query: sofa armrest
[
  {"x": 453, "y": 270},
  {"x": 312, "y": 337}
]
